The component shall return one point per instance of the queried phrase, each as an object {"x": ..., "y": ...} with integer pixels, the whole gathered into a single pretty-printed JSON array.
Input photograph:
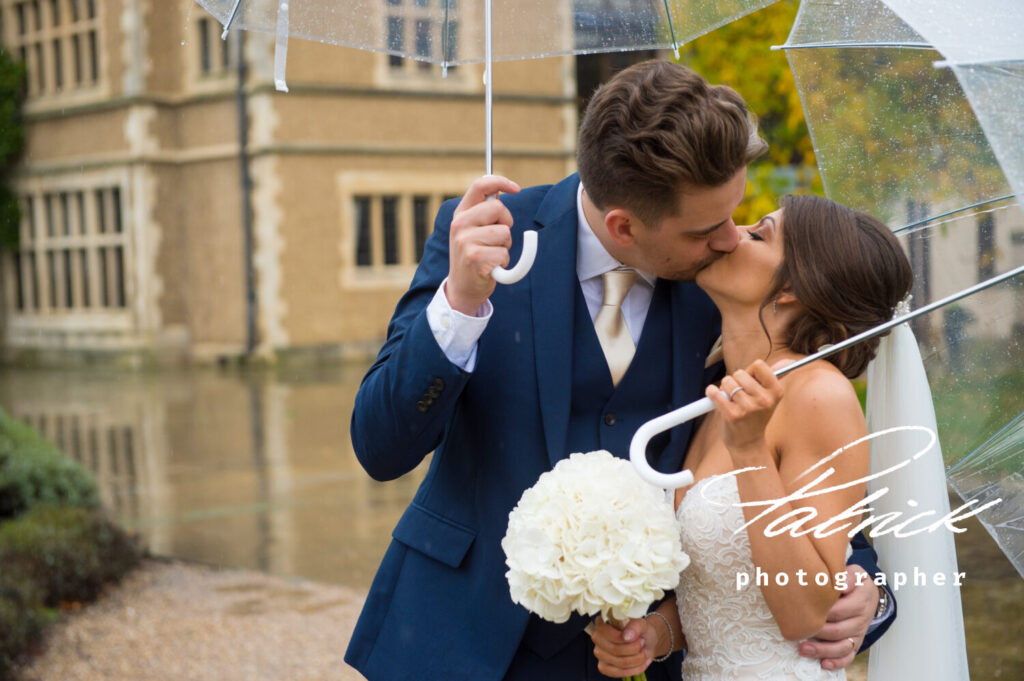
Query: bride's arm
[{"x": 820, "y": 415}]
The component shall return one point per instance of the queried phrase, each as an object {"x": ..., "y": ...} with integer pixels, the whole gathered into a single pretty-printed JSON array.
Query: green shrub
[
  {"x": 34, "y": 472},
  {"x": 21, "y": 618},
  {"x": 69, "y": 552},
  {"x": 55, "y": 545}
]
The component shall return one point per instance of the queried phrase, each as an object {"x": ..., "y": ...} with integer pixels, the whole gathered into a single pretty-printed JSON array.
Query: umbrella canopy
[
  {"x": 451, "y": 31},
  {"x": 895, "y": 135}
]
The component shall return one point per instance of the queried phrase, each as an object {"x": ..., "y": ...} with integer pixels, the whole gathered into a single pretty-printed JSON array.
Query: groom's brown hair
[{"x": 657, "y": 128}]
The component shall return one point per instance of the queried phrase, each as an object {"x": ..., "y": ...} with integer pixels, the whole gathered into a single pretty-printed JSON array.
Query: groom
[{"x": 501, "y": 383}]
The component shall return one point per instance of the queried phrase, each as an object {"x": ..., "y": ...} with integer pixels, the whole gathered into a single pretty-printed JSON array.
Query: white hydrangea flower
[{"x": 592, "y": 537}]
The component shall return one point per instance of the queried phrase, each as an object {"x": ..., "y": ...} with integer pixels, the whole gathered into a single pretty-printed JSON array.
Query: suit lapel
[
  {"x": 553, "y": 283},
  {"x": 694, "y": 329}
]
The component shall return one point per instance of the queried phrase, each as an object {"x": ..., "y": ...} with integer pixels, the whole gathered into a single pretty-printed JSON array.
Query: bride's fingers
[
  {"x": 751, "y": 389},
  {"x": 720, "y": 398},
  {"x": 608, "y": 638},
  {"x": 765, "y": 375},
  {"x": 636, "y": 662},
  {"x": 619, "y": 660},
  {"x": 618, "y": 668}
]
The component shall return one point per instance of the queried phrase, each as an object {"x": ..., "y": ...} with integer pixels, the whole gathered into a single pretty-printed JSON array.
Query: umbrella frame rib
[
  {"x": 807, "y": 46},
  {"x": 231, "y": 19},
  {"x": 947, "y": 214},
  {"x": 882, "y": 328}
]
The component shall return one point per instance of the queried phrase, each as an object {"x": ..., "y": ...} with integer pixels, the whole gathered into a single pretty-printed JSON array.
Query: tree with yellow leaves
[{"x": 739, "y": 55}]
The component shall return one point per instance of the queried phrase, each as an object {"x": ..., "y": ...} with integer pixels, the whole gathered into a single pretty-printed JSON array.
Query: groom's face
[{"x": 701, "y": 231}]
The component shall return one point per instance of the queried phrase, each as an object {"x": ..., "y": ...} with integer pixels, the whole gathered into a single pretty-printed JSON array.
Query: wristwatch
[{"x": 883, "y": 602}]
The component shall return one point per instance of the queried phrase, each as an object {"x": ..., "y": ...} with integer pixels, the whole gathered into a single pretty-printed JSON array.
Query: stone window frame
[
  {"x": 414, "y": 195},
  {"x": 66, "y": 38},
  {"x": 411, "y": 74},
  {"x": 73, "y": 262},
  {"x": 221, "y": 54}
]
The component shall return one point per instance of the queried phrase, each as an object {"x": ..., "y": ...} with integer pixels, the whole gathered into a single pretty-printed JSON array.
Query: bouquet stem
[{"x": 642, "y": 676}]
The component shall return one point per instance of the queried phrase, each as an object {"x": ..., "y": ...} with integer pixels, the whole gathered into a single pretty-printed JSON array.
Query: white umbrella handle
[
  {"x": 514, "y": 274},
  {"x": 643, "y": 435},
  {"x": 500, "y": 274}
]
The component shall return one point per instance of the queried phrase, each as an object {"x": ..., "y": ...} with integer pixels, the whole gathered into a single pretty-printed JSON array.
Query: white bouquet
[{"x": 592, "y": 537}]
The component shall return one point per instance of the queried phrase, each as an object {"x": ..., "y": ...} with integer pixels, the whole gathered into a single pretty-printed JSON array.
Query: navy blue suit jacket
[{"x": 439, "y": 606}]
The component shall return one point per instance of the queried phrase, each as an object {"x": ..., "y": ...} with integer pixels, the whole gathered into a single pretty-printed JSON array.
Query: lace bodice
[{"x": 730, "y": 632}]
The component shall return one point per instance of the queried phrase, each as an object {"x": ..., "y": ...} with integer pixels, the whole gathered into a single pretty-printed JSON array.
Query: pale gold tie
[{"x": 610, "y": 324}]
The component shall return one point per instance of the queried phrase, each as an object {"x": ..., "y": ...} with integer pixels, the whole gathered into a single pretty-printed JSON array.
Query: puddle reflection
[{"x": 251, "y": 471}]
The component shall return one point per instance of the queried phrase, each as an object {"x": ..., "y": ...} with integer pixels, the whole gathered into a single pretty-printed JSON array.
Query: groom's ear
[{"x": 621, "y": 226}]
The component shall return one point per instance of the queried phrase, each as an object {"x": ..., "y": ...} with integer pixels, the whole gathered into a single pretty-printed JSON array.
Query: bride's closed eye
[{"x": 755, "y": 236}]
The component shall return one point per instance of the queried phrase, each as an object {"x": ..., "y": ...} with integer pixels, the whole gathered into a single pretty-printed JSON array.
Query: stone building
[{"x": 177, "y": 207}]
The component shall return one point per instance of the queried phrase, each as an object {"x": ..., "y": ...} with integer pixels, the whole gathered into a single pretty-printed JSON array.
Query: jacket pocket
[{"x": 432, "y": 535}]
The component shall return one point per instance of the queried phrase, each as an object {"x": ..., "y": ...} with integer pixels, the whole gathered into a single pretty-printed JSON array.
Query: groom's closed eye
[{"x": 705, "y": 233}]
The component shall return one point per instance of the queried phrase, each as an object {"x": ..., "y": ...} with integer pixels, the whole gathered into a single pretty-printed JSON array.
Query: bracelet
[{"x": 671, "y": 636}]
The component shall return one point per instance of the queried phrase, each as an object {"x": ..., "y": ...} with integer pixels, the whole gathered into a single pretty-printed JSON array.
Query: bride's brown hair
[{"x": 848, "y": 271}]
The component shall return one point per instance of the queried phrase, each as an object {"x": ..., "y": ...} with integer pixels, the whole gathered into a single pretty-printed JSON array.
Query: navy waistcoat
[{"x": 603, "y": 416}]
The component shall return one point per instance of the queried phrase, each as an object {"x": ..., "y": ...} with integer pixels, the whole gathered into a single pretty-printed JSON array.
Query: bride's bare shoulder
[{"x": 819, "y": 388}]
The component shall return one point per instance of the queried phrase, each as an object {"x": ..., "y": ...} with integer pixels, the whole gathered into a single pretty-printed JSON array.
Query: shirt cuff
[
  {"x": 889, "y": 605},
  {"x": 457, "y": 333}
]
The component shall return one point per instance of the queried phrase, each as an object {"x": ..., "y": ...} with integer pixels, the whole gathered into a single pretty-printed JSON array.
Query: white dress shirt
[{"x": 457, "y": 334}]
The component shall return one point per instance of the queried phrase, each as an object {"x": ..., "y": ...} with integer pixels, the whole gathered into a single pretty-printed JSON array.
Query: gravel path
[
  {"x": 172, "y": 621},
  {"x": 183, "y": 622}
]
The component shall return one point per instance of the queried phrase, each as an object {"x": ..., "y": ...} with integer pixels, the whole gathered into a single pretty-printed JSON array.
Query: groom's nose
[{"x": 725, "y": 238}]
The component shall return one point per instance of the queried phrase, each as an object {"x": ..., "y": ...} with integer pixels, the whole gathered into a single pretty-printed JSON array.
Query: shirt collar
[{"x": 592, "y": 260}]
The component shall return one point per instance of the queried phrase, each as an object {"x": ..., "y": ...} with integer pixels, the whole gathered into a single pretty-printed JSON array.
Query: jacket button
[
  {"x": 438, "y": 383},
  {"x": 432, "y": 391},
  {"x": 609, "y": 419},
  {"x": 422, "y": 406}
]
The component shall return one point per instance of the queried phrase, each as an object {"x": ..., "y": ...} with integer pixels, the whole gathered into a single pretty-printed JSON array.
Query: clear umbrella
[
  {"x": 914, "y": 109},
  {"x": 453, "y": 32}
]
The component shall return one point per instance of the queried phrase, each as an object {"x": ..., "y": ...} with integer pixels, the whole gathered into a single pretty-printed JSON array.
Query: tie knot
[{"x": 616, "y": 285}]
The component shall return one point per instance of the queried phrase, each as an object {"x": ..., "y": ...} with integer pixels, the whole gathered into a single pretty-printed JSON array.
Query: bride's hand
[
  {"x": 746, "y": 400},
  {"x": 625, "y": 653}
]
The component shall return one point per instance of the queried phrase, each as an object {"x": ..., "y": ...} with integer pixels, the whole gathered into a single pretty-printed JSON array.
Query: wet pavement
[{"x": 256, "y": 470}]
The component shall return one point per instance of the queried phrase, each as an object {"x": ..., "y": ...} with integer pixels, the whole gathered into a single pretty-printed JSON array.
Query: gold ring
[{"x": 853, "y": 644}]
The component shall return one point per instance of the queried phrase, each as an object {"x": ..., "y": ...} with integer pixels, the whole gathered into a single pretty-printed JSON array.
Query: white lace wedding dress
[{"x": 730, "y": 632}]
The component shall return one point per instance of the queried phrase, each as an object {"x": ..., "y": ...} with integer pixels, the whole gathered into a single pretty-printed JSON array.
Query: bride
[{"x": 810, "y": 274}]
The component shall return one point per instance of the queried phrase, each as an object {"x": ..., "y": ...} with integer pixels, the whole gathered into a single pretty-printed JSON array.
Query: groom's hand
[
  {"x": 846, "y": 624},
  {"x": 480, "y": 237}
]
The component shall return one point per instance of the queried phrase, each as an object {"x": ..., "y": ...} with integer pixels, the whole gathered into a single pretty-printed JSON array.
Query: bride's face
[{"x": 746, "y": 274}]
